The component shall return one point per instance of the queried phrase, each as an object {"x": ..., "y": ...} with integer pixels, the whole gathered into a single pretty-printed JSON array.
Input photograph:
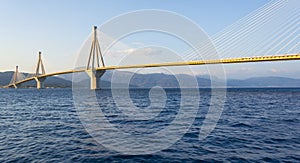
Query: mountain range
[
  {"x": 157, "y": 79},
  {"x": 5, "y": 78}
]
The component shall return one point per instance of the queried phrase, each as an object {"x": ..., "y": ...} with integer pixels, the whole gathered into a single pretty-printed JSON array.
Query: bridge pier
[
  {"x": 40, "y": 82},
  {"x": 95, "y": 78},
  {"x": 15, "y": 86}
]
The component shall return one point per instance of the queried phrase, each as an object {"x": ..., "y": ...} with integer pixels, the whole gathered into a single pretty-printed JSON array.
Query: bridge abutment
[
  {"x": 40, "y": 83},
  {"x": 95, "y": 77}
]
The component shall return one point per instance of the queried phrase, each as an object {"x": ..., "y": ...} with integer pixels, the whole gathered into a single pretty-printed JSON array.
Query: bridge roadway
[{"x": 167, "y": 64}]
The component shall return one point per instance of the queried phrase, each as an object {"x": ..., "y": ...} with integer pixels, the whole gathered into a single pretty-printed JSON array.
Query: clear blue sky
[{"x": 59, "y": 27}]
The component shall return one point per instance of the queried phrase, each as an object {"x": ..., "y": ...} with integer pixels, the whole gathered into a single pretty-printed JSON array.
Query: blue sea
[{"x": 256, "y": 125}]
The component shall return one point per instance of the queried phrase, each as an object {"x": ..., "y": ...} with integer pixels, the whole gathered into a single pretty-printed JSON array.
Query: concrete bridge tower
[
  {"x": 95, "y": 57},
  {"x": 15, "y": 77},
  {"x": 40, "y": 80}
]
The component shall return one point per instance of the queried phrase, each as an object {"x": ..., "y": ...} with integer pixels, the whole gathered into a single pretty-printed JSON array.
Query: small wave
[
  {"x": 268, "y": 159},
  {"x": 291, "y": 120},
  {"x": 276, "y": 140},
  {"x": 241, "y": 125}
]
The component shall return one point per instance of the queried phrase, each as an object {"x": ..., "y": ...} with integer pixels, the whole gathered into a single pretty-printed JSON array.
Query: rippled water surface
[{"x": 256, "y": 125}]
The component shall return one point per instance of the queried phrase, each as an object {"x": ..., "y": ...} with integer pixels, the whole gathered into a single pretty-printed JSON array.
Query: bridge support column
[
  {"x": 40, "y": 83},
  {"x": 95, "y": 78},
  {"x": 13, "y": 86}
]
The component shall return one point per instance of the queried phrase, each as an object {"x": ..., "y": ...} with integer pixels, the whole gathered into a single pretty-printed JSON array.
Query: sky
[{"x": 58, "y": 28}]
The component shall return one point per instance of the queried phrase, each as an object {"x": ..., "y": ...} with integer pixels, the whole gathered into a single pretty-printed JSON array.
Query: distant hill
[
  {"x": 156, "y": 79},
  {"x": 165, "y": 80},
  {"x": 143, "y": 80},
  {"x": 5, "y": 78},
  {"x": 265, "y": 82}
]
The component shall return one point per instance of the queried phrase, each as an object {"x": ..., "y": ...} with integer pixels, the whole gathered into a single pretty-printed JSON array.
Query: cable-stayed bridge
[{"x": 96, "y": 67}]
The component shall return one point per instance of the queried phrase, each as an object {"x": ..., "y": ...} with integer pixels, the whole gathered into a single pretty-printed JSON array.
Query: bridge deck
[
  {"x": 197, "y": 62},
  {"x": 216, "y": 61}
]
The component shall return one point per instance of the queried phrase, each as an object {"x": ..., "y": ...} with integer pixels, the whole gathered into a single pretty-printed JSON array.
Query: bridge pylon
[
  {"x": 37, "y": 76},
  {"x": 95, "y": 57},
  {"x": 15, "y": 78}
]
